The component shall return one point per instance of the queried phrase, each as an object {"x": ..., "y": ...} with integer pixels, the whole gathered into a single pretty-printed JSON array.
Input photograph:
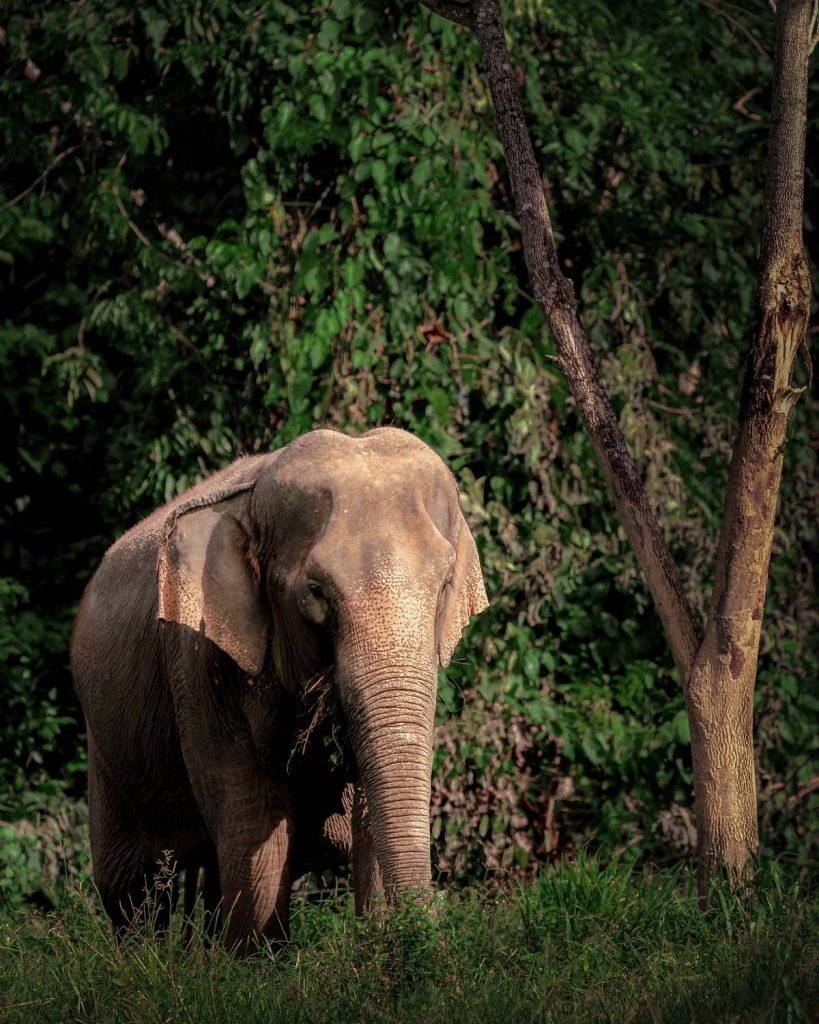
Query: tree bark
[{"x": 718, "y": 668}]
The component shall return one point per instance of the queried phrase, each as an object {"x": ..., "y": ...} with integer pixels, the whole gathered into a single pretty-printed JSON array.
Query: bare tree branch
[
  {"x": 738, "y": 25},
  {"x": 131, "y": 225},
  {"x": 555, "y": 295},
  {"x": 460, "y": 11},
  {"x": 26, "y": 191},
  {"x": 740, "y": 108}
]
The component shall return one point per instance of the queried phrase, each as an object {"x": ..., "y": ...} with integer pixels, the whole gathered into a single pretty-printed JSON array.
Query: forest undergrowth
[{"x": 585, "y": 943}]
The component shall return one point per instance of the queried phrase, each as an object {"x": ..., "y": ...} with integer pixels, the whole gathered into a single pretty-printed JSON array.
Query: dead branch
[{"x": 41, "y": 177}]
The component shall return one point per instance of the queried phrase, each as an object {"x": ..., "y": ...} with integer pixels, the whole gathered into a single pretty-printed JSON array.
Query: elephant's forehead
[
  {"x": 364, "y": 473},
  {"x": 381, "y": 440}
]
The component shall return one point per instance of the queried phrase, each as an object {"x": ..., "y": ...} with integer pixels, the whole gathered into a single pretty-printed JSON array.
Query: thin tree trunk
[
  {"x": 717, "y": 669},
  {"x": 721, "y": 687}
]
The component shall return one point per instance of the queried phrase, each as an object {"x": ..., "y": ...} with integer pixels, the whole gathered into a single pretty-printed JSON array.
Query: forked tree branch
[{"x": 555, "y": 296}]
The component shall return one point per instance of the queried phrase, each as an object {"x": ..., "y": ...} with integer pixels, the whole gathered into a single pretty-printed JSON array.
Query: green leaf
[
  {"x": 575, "y": 140},
  {"x": 379, "y": 171},
  {"x": 422, "y": 171},
  {"x": 318, "y": 107},
  {"x": 439, "y": 401}
]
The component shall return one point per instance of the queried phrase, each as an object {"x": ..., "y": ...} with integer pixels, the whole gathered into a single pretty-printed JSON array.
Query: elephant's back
[
  {"x": 112, "y": 633},
  {"x": 117, "y": 661}
]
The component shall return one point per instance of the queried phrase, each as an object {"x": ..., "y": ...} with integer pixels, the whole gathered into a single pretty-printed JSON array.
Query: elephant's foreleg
[
  {"x": 249, "y": 817},
  {"x": 254, "y": 876},
  {"x": 245, "y": 804},
  {"x": 366, "y": 871}
]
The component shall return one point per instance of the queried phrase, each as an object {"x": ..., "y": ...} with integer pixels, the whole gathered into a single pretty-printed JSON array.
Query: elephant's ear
[
  {"x": 463, "y": 596},
  {"x": 208, "y": 577}
]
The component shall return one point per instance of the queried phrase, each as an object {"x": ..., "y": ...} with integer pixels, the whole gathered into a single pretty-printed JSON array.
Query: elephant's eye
[{"x": 316, "y": 605}]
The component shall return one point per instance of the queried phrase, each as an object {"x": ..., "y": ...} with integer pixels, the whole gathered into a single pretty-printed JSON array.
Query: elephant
[{"x": 336, "y": 564}]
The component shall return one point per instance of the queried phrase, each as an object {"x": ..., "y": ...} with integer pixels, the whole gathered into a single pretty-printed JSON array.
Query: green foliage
[
  {"x": 223, "y": 224},
  {"x": 32, "y": 722},
  {"x": 586, "y": 944},
  {"x": 43, "y": 851}
]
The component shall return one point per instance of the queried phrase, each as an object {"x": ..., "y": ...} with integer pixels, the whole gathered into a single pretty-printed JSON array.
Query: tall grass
[{"x": 586, "y": 943}]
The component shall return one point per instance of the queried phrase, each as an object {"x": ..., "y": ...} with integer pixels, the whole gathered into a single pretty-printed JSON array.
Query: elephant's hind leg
[{"x": 135, "y": 887}]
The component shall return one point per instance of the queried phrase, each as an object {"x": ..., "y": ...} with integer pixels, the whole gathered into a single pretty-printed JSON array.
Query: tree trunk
[
  {"x": 721, "y": 686},
  {"x": 718, "y": 669}
]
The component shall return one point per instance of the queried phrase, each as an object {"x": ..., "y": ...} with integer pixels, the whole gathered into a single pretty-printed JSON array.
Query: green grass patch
[{"x": 586, "y": 943}]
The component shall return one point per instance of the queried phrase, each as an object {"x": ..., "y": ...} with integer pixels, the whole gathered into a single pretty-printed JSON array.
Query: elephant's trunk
[{"x": 390, "y": 711}]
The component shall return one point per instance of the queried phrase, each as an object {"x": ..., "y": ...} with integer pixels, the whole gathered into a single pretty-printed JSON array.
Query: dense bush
[{"x": 222, "y": 224}]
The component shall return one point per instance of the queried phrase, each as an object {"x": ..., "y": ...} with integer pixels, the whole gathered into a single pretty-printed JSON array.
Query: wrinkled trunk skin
[{"x": 390, "y": 708}]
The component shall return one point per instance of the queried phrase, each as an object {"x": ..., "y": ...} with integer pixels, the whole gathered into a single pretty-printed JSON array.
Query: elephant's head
[{"x": 343, "y": 551}]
